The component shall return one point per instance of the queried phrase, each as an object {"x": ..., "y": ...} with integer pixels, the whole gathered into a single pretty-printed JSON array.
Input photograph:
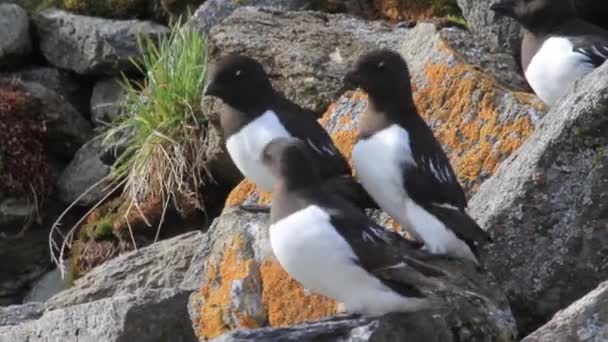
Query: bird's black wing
[
  {"x": 302, "y": 124},
  {"x": 595, "y": 51},
  {"x": 431, "y": 182},
  {"x": 382, "y": 252},
  {"x": 588, "y": 40}
]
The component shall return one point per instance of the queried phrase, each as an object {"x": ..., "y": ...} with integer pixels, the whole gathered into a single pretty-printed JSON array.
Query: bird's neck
[
  {"x": 288, "y": 199},
  {"x": 383, "y": 112}
]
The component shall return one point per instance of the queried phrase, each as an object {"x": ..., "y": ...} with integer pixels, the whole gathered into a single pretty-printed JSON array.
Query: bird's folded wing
[{"x": 593, "y": 49}]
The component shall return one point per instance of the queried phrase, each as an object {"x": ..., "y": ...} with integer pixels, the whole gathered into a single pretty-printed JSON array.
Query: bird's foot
[{"x": 255, "y": 208}]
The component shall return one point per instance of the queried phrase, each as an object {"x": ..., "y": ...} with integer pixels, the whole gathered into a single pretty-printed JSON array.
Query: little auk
[
  {"x": 558, "y": 48},
  {"x": 256, "y": 114},
  {"x": 403, "y": 167},
  {"x": 330, "y": 247}
]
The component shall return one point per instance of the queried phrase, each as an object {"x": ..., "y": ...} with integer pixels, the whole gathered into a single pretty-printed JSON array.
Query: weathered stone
[
  {"x": 586, "y": 320},
  {"x": 82, "y": 181},
  {"x": 15, "y": 43},
  {"x": 66, "y": 128},
  {"x": 428, "y": 327},
  {"x": 47, "y": 286},
  {"x": 246, "y": 287},
  {"x": 151, "y": 315},
  {"x": 16, "y": 314},
  {"x": 96, "y": 46},
  {"x": 546, "y": 207},
  {"x": 161, "y": 265},
  {"x": 499, "y": 33},
  {"x": 106, "y": 101},
  {"x": 75, "y": 90},
  {"x": 213, "y": 12},
  {"x": 25, "y": 259},
  {"x": 479, "y": 122}
]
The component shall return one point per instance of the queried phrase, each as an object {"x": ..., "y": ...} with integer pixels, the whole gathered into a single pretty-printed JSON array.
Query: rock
[
  {"x": 152, "y": 315},
  {"x": 245, "y": 287},
  {"x": 426, "y": 327},
  {"x": 586, "y": 320},
  {"x": 97, "y": 46},
  {"x": 479, "y": 121},
  {"x": 46, "y": 287},
  {"x": 75, "y": 90},
  {"x": 66, "y": 128},
  {"x": 15, "y": 314},
  {"x": 29, "y": 260},
  {"x": 213, "y": 12},
  {"x": 82, "y": 181},
  {"x": 498, "y": 33},
  {"x": 546, "y": 208},
  {"x": 106, "y": 101},
  {"x": 161, "y": 265},
  {"x": 15, "y": 42}
]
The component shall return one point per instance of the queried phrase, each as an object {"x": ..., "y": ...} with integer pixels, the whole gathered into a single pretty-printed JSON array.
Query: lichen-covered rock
[
  {"x": 479, "y": 122},
  {"x": 96, "y": 46},
  {"x": 499, "y": 33},
  {"x": 106, "y": 8},
  {"x": 212, "y": 12},
  {"x": 106, "y": 101},
  {"x": 245, "y": 287},
  {"x": 15, "y": 42},
  {"x": 145, "y": 315},
  {"x": 546, "y": 207},
  {"x": 586, "y": 320},
  {"x": 162, "y": 265},
  {"x": 82, "y": 181}
]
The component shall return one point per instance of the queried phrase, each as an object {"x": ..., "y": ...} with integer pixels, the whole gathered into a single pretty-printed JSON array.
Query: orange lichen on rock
[
  {"x": 286, "y": 301},
  {"x": 244, "y": 190},
  {"x": 217, "y": 289},
  {"x": 459, "y": 104},
  {"x": 405, "y": 9}
]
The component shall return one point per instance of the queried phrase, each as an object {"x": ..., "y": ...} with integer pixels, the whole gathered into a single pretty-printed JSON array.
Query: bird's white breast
[
  {"x": 246, "y": 146},
  {"x": 378, "y": 162},
  {"x": 554, "y": 68},
  {"x": 309, "y": 248}
]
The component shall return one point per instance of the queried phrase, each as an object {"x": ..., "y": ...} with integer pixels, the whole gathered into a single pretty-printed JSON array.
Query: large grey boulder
[
  {"x": 546, "y": 207},
  {"x": 96, "y": 46},
  {"x": 586, "y": 320},
  {"x": 146, "y": 315},
  {"x": 75, "y": 90},
  {"x": 106, "y": 101},
  {"x": 82, "y": 181},
  {"x": 66, "y": 128},
  {"x": 245, "y": 287},
  {"x": 212, "y": 12},
  {"x": 15, "y": 42},
  {"x": 498, "y": 33},
  {"x": 15, "y": 314},
  {"x": 161, "y": 265}
]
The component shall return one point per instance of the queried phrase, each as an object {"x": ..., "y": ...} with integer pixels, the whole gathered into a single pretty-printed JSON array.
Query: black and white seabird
[
  {"x": 403, "y": 167},
  {"x": 257, "y": 114},
  {"x": 328, "y": 245},
  {"x": 558, "y": 48}
]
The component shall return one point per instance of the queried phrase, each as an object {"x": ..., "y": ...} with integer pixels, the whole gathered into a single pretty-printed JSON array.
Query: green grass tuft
[{"x": 164, "y": 129}]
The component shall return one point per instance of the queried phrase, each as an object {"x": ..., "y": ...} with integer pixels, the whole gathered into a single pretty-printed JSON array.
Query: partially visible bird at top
[
  {"x": 558, "y": 47},
  {"x": 256, "y": 114},
  {"x": 403, "y": 167}
]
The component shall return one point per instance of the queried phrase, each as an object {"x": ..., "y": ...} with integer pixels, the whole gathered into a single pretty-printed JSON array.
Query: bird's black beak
[
  {"x": 211, "y": 89},
  {"x": 504, "y": 7},
  {"x": 351, "y": 81}
]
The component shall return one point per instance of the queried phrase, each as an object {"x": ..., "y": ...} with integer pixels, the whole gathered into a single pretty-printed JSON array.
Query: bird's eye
[
  {"x": 238, "y": 73},
  {"x": 380, "y": 65}
]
